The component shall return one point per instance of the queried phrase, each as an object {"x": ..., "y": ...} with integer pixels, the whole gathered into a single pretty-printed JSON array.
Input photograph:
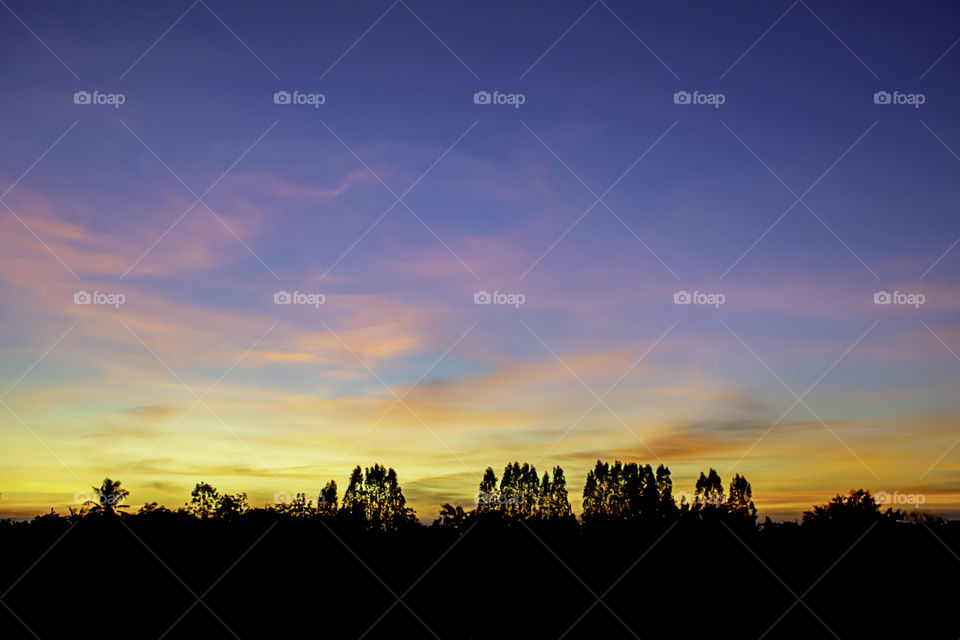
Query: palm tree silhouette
[{"x": 109, "y": 496}]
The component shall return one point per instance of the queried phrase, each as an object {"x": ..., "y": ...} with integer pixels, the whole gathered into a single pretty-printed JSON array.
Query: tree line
[{"x": 614, "y": 492}]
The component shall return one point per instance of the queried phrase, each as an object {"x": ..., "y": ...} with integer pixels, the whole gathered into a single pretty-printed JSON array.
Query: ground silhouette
[{"x": 636, "y": 563}]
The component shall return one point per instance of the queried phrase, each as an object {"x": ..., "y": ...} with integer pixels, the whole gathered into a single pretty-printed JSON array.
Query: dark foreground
[{"x": 267, "y": 577}]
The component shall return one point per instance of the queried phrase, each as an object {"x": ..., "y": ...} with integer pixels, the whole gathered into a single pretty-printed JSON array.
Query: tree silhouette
[
  {"x": 667, "y": 507},
  {"x": 230, "y": 506},
  {"x": 857, "y": 508},
  {"x": 487, "y": 495},
  {"x": 109, "y": 495},
  {"x": 374, "y": 496},
  {"x": 203, "y": 500},
  {"x": 740, "y": 500},
  {"x": 327, "y": 500},
  {"x": 709, "y": 492},
  {"x": 558, "y": 502},
  {"x": 626, "y": 491}
]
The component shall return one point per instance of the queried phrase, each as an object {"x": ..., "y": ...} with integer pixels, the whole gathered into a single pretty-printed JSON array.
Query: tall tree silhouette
[
  {"x": 558, "y": 502},
  {"x": 327, "y": 500},
  {"x": 375, "y": 497},
  {"x": 626, "y": 491},
  {"x": 487, "y": 495},
  {"x": 740, "y": 500},
  {"x": 667, "y": 507},
  {"x": 709, "y": 492}
]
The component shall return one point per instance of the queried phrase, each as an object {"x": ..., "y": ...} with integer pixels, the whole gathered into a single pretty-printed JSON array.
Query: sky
[{"x": 703, "y": 234}]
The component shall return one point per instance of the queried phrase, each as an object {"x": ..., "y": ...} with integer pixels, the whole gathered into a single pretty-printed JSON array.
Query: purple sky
[{"x": 784, "y": 162}]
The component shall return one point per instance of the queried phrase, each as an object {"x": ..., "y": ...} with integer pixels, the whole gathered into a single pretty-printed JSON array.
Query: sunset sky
[{"x": 596, "y": 199}]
